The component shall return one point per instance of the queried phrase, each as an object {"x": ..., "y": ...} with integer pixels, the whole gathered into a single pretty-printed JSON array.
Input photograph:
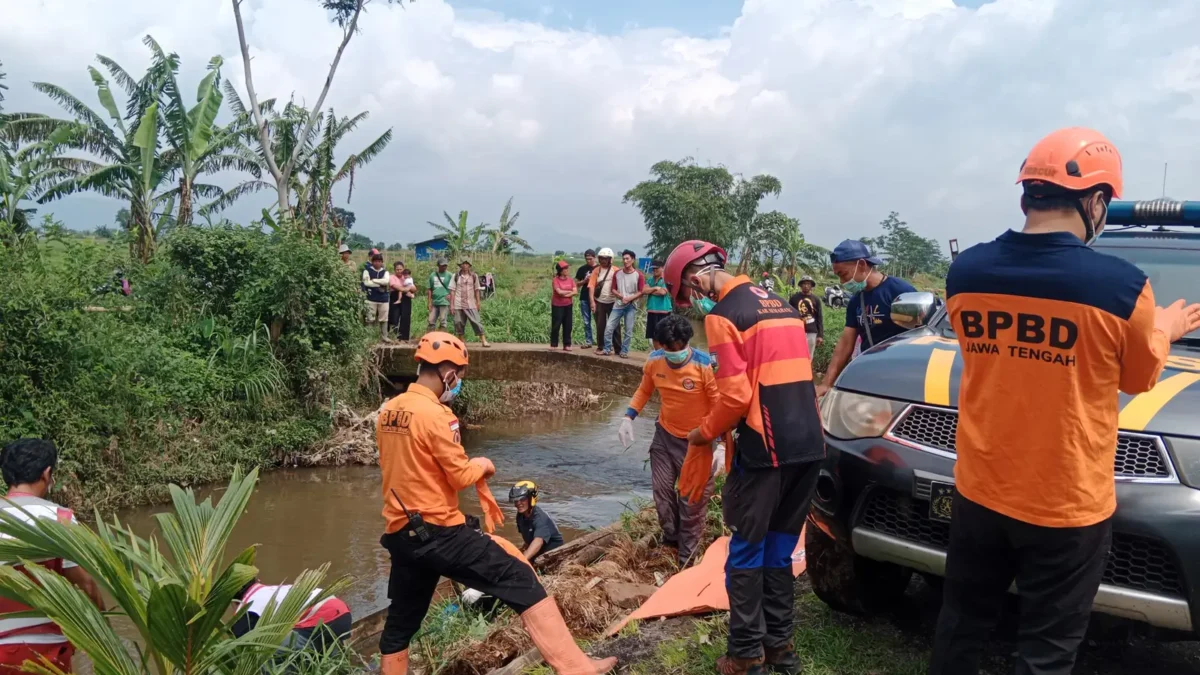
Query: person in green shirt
[
  {"x": 658, "y": 302},
  {"x": 438, "y": 297}
]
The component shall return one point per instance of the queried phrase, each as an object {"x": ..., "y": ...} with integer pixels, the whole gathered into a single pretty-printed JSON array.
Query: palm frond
[
  {"x": 364, "y": 156},
  {"x": 233, "y": 194},
  {"x": 119, "y": 74}
]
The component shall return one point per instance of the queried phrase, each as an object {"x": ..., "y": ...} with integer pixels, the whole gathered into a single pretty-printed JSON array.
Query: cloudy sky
[{"x": 860, "y": 107}]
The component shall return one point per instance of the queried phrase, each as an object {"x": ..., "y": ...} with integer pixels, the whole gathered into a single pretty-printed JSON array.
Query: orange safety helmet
[
  {"x": 691, "y": 251},
  {"x": 438, "y": 347},
  {"x": 1074, "y": 159}
]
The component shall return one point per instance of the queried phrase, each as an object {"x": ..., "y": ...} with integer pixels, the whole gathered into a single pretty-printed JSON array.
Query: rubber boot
[
  {"x": 781, "y": 660},
  {"x": 732, "y": 665},
  {"x": 394, "y": 664},
  {"x": 544, "y": 623}
]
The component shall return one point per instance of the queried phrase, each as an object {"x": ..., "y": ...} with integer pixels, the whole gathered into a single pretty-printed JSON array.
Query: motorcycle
[{"x": 835, "y": 297}]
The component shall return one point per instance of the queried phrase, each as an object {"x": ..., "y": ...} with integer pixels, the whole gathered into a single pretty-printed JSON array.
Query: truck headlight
[{"x": 848, "y": 415}]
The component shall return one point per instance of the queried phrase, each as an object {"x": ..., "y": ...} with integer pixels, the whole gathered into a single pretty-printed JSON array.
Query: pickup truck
[{"x": 890, "y": 424}]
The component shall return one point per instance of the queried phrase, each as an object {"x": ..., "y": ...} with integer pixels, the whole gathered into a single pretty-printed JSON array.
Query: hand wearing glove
[
  {"x": 696, "y": 472},
  {"x": 471, "y": 596},
  {"x": 625, "y": 433}
]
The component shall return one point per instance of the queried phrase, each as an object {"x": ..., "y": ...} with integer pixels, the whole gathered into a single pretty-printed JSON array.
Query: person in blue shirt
[{"x": 869, "y": 312}]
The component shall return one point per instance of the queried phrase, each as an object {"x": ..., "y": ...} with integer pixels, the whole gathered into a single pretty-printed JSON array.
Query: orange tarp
[{"x": 699, "y": 589}]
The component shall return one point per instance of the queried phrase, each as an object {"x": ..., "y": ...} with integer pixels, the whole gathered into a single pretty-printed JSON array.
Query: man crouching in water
[{"x": 424, "y": 466}]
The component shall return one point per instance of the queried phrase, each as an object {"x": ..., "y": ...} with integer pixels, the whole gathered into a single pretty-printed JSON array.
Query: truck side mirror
[{"x": 913, "y": 310}]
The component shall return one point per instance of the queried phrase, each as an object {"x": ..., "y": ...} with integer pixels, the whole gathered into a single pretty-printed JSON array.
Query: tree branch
[
  {"x": 263, "y": 134},
  {"x": 348, "y": 32}
]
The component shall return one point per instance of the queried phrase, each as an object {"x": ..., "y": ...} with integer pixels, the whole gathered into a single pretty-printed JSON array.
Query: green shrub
[{"x": 190, "y": 382}]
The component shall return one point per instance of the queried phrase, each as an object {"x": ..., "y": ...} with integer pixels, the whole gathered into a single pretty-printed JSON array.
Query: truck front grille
[
  {"x": 1138, "y": 455},
  {"x": 1134, "y": 562}
]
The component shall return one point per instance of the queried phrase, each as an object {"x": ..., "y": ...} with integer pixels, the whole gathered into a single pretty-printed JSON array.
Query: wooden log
[{"x": 548, "y": 562}]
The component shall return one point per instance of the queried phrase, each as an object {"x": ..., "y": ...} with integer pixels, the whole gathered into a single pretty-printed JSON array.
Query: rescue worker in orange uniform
[
  {"x": 764, "y": 381},
  {"x": 424, "y": 466},
  {"x": 28, "y": 468},
  {"x": 1049, "y": 331},
  {"x": 683, "y": 377}
]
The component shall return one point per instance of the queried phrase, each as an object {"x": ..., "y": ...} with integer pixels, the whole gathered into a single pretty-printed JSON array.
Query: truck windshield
[{"x": 1174, "y": 273}]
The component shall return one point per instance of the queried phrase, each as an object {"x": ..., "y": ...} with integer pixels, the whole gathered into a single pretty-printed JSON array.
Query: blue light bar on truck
[{"x": 1154, "y": 212}]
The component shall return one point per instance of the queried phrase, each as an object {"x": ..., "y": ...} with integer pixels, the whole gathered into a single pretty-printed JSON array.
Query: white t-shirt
[{"x": 33, "y": 508}]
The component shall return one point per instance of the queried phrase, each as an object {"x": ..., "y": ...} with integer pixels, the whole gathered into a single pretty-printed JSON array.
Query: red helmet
[{"x": 685, "y": 254}]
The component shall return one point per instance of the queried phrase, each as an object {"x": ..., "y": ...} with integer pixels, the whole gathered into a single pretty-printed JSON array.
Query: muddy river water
[{"x": 303, "y": 518}]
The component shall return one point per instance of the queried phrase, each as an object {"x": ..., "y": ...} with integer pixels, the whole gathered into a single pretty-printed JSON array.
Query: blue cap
[{"x": 851, "y": 250}]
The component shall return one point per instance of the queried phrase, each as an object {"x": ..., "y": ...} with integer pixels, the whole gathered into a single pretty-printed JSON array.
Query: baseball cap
[
  {"x": 562, "y": 264},
  {"x": 851, "y": 250}
]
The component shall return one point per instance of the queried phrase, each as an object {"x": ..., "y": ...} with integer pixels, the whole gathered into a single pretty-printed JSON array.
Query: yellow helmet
[{"x": 523, "y": 489}]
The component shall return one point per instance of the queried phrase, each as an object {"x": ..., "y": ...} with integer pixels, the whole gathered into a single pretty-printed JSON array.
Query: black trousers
[
  {"x": 461, "y": 554},
  {"x": 765, "y": 509},
  {"x": 400, "y": 318},
  {"x": 561, "y": 318},
  {"x": 601, "y": 312},
  {"x": 1057, "y": 572}
]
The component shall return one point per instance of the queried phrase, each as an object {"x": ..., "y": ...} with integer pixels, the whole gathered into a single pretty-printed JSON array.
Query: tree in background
[
  {"x": 127, "y": 164},
  {"x": 344, "y": 218},
  {"x": 358, "y": 242},
  {"x": 504, "y": 236},
  {"x": 197, "y": 144},
  {"x": 460, "y": 238},
  {"x": 686, "y": 201},
  {"x": 906, "y": 252},
  {"x": 346, "y": 14},
  {"x": 311, "y": 180},
  {"x": 757, "y": 232}
]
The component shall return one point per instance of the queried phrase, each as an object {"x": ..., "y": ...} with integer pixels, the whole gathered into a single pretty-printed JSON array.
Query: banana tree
[
  {"x": 198, "y": 145},
  {"x": 460, "y": 238},
  {"x": 124, "y": 161},
  {"x": 504, "y": 236},
  {"x": 319, "y": 173},
  {"x": 177, "y": 595},
  {"x": 27, "y": 172}
]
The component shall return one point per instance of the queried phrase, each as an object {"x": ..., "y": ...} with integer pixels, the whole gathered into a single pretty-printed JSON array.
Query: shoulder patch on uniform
[
  {"x": 655, "y": 355},
  {"x": 702, "y": 357}
]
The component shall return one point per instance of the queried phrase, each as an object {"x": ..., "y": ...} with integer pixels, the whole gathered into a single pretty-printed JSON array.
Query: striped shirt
[{"x": 764, "y": 376}]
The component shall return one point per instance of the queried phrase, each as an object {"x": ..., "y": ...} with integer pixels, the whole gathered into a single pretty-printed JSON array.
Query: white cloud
[{"x": 859, "y": 106}]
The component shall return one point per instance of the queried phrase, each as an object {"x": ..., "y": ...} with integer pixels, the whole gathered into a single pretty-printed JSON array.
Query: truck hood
[{"x": 922, "y": 366}]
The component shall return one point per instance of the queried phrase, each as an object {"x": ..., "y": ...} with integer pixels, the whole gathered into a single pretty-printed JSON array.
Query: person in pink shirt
[{"x": 562, "y": 303}]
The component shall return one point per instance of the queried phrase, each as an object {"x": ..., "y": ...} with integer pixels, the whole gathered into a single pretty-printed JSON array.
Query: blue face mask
[
  {"x": 450, "y": 392},
  {"x": 704, "y": 305},
  {"x": 679, "y": 357}
]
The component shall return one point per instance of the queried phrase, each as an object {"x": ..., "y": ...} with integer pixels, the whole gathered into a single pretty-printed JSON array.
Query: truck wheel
[{"x": 848, "y": 582}]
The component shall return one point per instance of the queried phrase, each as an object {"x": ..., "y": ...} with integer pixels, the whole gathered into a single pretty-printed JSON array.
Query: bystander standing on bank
[
  {"x": 658, "y": 302},
  {"x": 810, "y": 310},
  {"x": 602, "y": 296},
  {"x": 377, "y": 280},
  {"x": 628, "y": 284},
  {"x": 438, "y": 296},
  {"x": 562, "y": 305},
  {"x": 464, "y": 302},
  {"x": 585, "y": 304},
  {"x": 403, "y": 290}
]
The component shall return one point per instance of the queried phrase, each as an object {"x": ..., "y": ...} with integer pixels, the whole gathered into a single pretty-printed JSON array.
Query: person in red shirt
[
  {"x": 683, "y": 377},
  {"x": 27, "y": 466},
  {"x": 562, "y": 294},
  {"x": 764, "y": 381}
]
